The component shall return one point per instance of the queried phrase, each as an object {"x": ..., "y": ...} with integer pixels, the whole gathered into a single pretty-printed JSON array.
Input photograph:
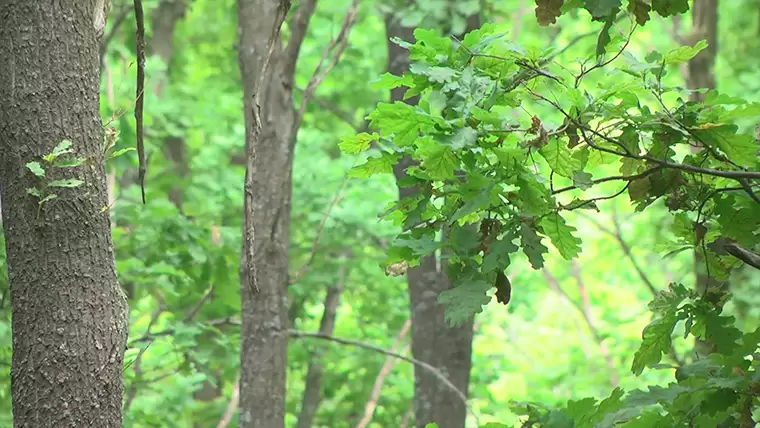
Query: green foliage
[
  {"x": 477, "y": 166},
  {"x": 43, "y": 191},
  {"x": 633, "y": 120}
]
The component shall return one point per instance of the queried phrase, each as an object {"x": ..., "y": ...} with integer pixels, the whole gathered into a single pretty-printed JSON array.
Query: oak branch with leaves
[{"x": 506, "y": 141}]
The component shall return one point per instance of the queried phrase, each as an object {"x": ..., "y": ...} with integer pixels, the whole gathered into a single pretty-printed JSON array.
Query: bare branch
[
  {"x": 132, "y": 391},
  {"x": 735, "y": 175},
  {"x": 298, "y": 29},
  {"x": 584, "y": 309},
  {"x": 336, "y": 47},
  {"x": 617, "y": 233},
  {"x": 232, "y": 405},
  {"x": 434, "y": 371},
  {"x": 312, "y": 394},
  {"x": 390, "y": 362},
  {"x": 142, "y": 168},
  {"x": 315, "y": 245},
  {"x": 119, "y": 19}
]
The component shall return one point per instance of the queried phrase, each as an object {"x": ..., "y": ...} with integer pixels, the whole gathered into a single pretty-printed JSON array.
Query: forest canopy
[{"x": 366, "y": 214}]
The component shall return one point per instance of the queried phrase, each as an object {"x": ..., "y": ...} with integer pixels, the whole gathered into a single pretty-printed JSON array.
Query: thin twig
[
  {"x": 229, "y": 413},
  {"x": 115, "y": 24},
  {"x": 390, "y": 362},
  {"x": 301, "y": 272},
  {"x": 585, "y": 311},
  {"x": 336, "y": 46},
  {"x": 132, "y": 391},
  {"x": 140, "y": 19},
  {"x": 735, "y": 175},
  {"x": 434, "y": 371},
  {"x": 312, "y": 394}
]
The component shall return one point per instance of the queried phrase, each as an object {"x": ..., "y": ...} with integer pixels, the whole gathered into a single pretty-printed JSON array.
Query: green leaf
[
  {"x": 34, "y": 192},
  {"x": 388, "y": 81},
  {"x": 464, "y": 137},
  {"x": 463, "y": 239},
  {"x": 498, "y": 254},
  {"x": 475, "y": 204},
  {"x": 463, "y": 301},
  {"x": 602, "y": 8},
  {"x": 47, "y": 198},
  {"x": 402, "y": 120},
  {"x": 532, "y": 246},
  {"x": 655, "y": 342},
  {"x": 670, "y": 7},
  {"x": 36, "y": 169},
  {"x": 354, "y": 144},
  {"x": 740, "y": 148},
  {"x": 561, "y": 235},
  {"x": 560, "y": 158},
  {"x": 373, "y": 166},
  {"x": 640, "y": 9},
  {"x": 70, "y": 163},
  {"x": 120, "y": 152},
  {"x": 582, "y": 180},
  {"x": 62, "y": 147},
  {"x": 684, "y": 53},
  {"x": 68, "y": 182},
  {"x": 547, "y": 11},
  {"x": 604, "y": 36}
]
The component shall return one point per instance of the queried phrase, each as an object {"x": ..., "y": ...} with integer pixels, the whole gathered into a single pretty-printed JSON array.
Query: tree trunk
[
  {"x": 69, "y": 314},
  {"x": 701, "y": 76},
  {"x": 312, "y": 395},
  {"x": 264, "y": 335},
  {"x": 433, "y": 341},
  {"x": 165, "y": 18}
]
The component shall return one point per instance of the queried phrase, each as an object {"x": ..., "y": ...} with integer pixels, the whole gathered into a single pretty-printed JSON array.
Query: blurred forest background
[{"x": 569, "y": 332}]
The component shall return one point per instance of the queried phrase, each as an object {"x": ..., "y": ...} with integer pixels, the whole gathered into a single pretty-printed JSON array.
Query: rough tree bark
[
  {"x": 69, "y": 313},
  {"x": 433, "y": 341},
  {"x": 264, "y": 333}
]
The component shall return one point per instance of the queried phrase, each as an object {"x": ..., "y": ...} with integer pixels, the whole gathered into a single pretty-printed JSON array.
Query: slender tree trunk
[
  {"x": 700, "y": 75},
  {"x": 433, "y": 341},
  {"x": 264, "y": 334},
  {"x": 165, "y": 18},
  {"x": 312, "y": 395},
  {"x": 69, "y": 314}
]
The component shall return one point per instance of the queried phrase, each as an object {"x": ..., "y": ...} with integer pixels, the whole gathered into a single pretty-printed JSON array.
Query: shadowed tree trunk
[
  {"x": 165, "y": 18},
  {"x": 264, "y": 334},
  {"x": 69, "y": 313},
  {"x": 700, "y": 75},
  {"x": 312, "y": 395},
  {"x": 433, "y": 341}
]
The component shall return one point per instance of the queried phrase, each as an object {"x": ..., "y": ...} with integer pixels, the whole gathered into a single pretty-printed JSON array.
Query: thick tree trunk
[
  {"x": 433, "y": 341},
  {"x": 264, "y": 334},
  {"x": 69, "y": 314}
]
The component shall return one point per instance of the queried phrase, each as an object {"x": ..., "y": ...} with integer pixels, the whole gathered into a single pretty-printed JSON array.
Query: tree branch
[
  {"x": 301, "y": 272},
  {"x": 584, "y": 309},
  {"x": 385, "y": 370},
  {"x": 312, "y": 394},
  {"x": 298, "y": 29},
  {"x": 735, "y": 175},
  {"x": 336, "y": 46},
  {"x": 119, "y": 19},
  {"x": 229, "y": 413}
]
